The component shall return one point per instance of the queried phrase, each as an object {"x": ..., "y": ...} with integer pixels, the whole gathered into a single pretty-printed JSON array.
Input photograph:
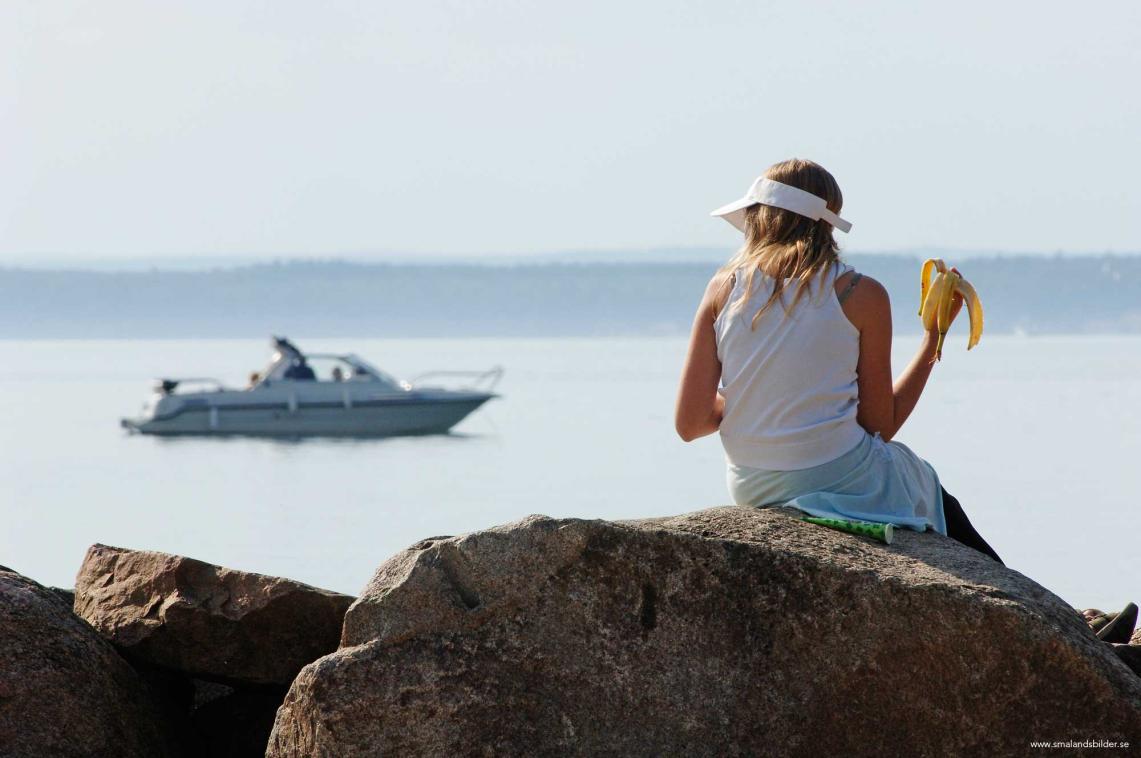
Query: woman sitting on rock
[{"x": 800, "y": 346}]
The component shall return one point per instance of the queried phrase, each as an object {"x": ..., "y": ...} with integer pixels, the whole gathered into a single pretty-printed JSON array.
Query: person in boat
[
  {"x": 300, "y": 370},
  {"x": 790, "y": 361}
]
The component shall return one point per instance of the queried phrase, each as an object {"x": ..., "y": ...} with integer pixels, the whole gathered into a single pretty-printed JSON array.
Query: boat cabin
[{"x": 290, "y": 364}]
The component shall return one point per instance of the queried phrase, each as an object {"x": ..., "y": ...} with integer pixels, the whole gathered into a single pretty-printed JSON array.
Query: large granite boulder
[
  {"x": 63, "y": 690},
  {"x": 728, "y": 631},
  {"x": 205, "y": 620}
]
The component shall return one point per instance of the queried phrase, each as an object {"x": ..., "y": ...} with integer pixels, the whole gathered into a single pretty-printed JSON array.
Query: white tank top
[{"x": 789, "y": 385}]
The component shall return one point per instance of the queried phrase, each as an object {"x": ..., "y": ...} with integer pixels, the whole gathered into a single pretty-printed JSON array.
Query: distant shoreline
[
  {"x": 648, "y": 256},
  {"x": 1030, "y": 295}
]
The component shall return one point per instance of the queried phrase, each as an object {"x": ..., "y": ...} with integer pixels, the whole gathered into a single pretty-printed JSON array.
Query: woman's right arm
[
  {"x": 699, "y": 405},
  {"x": 884, "y": 406}
]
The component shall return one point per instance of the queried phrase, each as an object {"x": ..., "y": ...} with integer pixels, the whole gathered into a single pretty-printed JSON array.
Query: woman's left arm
[{"x": 699, "y": 405}]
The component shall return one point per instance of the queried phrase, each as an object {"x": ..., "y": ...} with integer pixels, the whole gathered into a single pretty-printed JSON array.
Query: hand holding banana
[{"x": 937, "y": 296}]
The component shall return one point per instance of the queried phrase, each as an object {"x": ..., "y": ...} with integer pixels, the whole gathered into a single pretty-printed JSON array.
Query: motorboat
[{"x": 317, "y": 394}]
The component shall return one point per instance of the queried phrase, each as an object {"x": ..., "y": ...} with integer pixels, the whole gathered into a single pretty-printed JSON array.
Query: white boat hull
[
  {"x": 369, "y": 418},
  {"x": 291, "y": 399}
]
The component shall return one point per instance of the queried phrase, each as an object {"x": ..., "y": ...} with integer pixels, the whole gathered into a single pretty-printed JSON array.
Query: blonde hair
[{"x": 785, "y": 245}]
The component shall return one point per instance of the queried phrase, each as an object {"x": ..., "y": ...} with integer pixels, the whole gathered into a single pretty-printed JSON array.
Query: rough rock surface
[
  {"x": 63, "y": 690},
  {"x": 728, "y": 631},
  {"x": 205, "y": 620}
]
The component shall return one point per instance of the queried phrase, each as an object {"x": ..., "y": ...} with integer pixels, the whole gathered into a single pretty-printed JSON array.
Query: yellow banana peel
[
  {"x": 930, "y": 264},
  {"x": 937, "y": 296}
]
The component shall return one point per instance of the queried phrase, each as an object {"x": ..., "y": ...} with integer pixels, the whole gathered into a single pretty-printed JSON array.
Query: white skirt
[{"x": 876, "y": 481}]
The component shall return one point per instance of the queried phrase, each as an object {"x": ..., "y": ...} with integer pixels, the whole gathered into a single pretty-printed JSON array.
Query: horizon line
[{"x": 662, "y": 255}]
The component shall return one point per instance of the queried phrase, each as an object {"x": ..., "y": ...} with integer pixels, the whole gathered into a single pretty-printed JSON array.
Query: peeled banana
[{"x": 936, "y": 297}]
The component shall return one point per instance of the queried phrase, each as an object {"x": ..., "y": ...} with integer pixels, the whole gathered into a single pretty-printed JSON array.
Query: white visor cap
[{"x": 767, "y": 192}]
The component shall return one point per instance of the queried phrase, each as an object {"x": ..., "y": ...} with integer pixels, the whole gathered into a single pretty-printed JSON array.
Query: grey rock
[
  {"x": 207, "y": 621},
  {"x": 729, "y": 631},
  {"x": 64, "y": 691}
]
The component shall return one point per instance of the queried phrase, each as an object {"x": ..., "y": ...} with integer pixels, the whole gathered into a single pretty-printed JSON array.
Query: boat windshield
[
  {"x": 289, "y": 363},
  {"x": 349, "y": 368}
]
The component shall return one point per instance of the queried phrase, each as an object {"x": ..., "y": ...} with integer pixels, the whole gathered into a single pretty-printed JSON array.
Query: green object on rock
[
  {"x": 881, "y": 532},
  {"x": 1097, "y": 623},
  {"x": 1120, "y": 629}
]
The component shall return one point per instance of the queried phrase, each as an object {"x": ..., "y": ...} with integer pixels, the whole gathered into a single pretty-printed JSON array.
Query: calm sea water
[{"x": 1037, "y": 437}]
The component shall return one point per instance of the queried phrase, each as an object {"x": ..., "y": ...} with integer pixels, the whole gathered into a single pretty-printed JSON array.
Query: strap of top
[
  {"x": 851, "y": 286},
  {"x": 734, "y": 281},
  {"x": 737, "y": 279}
]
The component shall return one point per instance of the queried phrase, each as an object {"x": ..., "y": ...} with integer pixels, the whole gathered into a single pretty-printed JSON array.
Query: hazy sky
[{"x": 166, "y": 129}]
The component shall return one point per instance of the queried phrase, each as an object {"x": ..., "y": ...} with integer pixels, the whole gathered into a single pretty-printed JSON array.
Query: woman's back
[
  {"x": 805, "y": 401},
  {"x": 790, "y": 383}
]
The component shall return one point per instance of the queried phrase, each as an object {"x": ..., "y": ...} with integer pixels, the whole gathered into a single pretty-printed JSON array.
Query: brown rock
[
  {"x": 726, "y": 631},
  {"x": 1136, "y": 638},
  {"x": 205, "y": 620},
  {"x": 63, "y": 690}
]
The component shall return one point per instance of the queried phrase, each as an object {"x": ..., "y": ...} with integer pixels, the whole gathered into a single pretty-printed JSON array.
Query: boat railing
[{"x": 480, "y": 380}]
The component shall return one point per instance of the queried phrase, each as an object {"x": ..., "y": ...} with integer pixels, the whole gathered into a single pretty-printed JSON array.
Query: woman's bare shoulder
[
  {"x": 867, "y": 302},
  {"x": 718, "y": 290}
]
